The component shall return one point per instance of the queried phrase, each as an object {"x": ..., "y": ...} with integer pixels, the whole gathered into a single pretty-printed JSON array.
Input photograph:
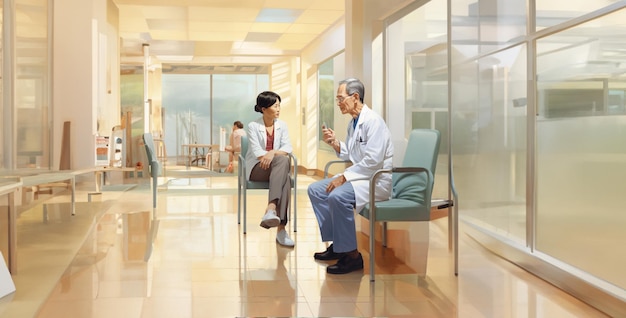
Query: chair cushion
[
  {"x": 257, "y": 185},
  {"x": 410, "y": 187}
]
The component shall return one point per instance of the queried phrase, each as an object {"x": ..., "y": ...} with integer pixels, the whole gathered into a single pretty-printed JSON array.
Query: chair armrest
[
  {"x": 241, "y": 167},
  {"x": 294, "y": 161},
  {"x": 332, "y": 162},
  {"x": 155, "y": 168},
  {"x": 294, "y": 175}
]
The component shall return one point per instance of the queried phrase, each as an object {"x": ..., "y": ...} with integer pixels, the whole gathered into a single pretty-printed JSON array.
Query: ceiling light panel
[
  {"x": 320, "y": 16},
  {"x": 165, "y": 12},
  {"x": 287, "y": 4},
  {"x": 212, "y": 48},
  {"x": 269, "y": 27},
  {"x": 278, "y": 15},
  {"x": 307, "y": 28},
  {"x": 203, "y": 26},
  {"x": 262, "y": 37},
  {"x": 328, "y": 5},
  {"x": 172, "y": 35},
  {"x": 289, "y": 46},
  {"x": 296, "y": 38},
  {"x": 217, "y": 36},
  {"x": 222, "y": 14},
  {"x": 167, "y": 24}
]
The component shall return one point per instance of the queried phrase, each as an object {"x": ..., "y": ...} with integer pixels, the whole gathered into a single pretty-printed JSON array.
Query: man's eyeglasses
[{"x": 340, "y": 99}]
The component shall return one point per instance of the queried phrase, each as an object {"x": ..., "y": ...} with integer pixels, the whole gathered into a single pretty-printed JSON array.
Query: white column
[{"x": 146, "y": 97}]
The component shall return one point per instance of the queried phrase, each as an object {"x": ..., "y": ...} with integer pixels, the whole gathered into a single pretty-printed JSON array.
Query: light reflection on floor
[{"x": 200, "y": 265}]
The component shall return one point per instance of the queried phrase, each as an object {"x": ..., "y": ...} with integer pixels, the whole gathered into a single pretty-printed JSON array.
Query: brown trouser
[{"x": 280, "y": 184}]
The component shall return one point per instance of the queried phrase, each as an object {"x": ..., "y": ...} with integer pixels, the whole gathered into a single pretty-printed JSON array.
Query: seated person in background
[
  {"x": 267, "y": 159},
  {"x": 235, "y": 143}
]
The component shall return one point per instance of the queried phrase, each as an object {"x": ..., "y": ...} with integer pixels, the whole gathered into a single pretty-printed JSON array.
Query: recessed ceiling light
[{"x": 278, "y": 15}]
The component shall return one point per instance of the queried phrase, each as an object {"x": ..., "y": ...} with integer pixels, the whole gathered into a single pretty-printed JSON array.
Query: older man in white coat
[{"x": 369, "y": 148}]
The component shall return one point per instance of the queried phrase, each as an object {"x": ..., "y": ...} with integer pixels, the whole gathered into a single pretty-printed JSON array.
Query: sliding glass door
[{"x": 201, "y": 108}]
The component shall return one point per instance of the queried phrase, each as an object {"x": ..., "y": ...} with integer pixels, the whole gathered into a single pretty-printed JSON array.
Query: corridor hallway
[{"x": 201, "y": 265}]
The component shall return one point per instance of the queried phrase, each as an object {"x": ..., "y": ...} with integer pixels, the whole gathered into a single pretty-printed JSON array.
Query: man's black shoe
[
  {"x": 346, "y": 264},
  {"x": 328, "y": 254}
]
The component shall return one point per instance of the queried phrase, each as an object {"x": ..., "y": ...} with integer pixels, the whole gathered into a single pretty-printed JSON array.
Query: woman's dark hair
[
  {"x": 238, "y": 124},
  {"x": 264, "y": 100}
]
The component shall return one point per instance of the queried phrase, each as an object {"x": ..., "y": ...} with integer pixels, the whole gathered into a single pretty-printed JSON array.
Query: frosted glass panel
[
  {"x": 581, "y": 147},
  {"x": 489, "y": 141},
  {"x": 32, "y": 84},
  {"x": 418, "y": 48},
  {"x": 486, "y": 25}
]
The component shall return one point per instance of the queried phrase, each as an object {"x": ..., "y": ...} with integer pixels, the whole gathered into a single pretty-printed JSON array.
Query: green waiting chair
[{"x": 412, "y": 187}]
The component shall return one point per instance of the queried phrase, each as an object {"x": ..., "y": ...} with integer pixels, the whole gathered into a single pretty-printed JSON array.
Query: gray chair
[
  {"x": 154, "y": 165},
  {"x": 243, "y": 185}
]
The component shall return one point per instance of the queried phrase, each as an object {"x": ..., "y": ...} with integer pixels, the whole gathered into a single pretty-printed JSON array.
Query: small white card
[{"x": 6, "y": 281}]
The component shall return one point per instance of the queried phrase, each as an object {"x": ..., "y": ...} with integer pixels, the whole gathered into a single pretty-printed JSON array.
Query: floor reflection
[
  {"x": 190, "y": 259},
  {"x": 270, "y": 291}
]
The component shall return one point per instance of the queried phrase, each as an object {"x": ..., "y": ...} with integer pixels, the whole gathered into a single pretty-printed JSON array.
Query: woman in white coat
[
  {"x": 369, "y": 148},
  {"x": 267, "y": 160}
]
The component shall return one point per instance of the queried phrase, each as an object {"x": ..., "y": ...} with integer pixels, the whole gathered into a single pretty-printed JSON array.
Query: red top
[{"x": 270, "y": 142}]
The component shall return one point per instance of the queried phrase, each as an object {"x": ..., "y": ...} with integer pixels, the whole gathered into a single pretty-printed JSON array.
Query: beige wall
[
  {"x": 283, "y": 81},
  {"x": 73, "y": 72},
  {"x": 83, "y": 31},
  {"x": 328, "y": 45}
]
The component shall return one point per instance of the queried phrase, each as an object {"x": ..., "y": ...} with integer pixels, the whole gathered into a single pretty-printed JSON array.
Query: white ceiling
[{"x": 179, "y": 30}]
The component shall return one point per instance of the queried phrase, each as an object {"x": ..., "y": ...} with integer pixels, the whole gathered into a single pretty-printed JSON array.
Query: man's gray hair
[{"x": 354, "y": 85}]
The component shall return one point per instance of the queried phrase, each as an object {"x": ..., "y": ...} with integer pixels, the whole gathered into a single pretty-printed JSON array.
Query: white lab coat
[
  {"x": 257, "y": 138},
  {"x": 369, "y": 148}
]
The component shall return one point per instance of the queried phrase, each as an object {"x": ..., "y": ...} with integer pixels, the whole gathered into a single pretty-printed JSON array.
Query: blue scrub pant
[{"x": 335, "y": 214}]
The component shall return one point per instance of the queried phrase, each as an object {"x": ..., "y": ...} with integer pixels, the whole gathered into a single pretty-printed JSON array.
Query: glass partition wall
[
  {"x": 416, "y": 58},
  {"x": 538, "y": 165},
  {"x": 581, "y": 146}
]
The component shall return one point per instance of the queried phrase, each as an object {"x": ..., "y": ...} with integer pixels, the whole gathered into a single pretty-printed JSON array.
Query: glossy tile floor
[{"x": 199, "y": 264}]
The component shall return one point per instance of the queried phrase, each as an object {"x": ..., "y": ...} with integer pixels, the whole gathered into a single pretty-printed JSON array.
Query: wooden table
[
  {"x": 196, "y": 152},
  {"x": 8, "y": 189}
]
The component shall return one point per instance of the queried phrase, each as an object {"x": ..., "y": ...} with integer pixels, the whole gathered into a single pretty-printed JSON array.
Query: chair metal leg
[
  {"x": 385, "y": 234},
  {"x": 245, "y": 208},
  {"x": 372, "y": 248},
  {"x": 155, "y": 182},
  {"x": 239, "y": 199},
  {"x": 295, "y": 207}
]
